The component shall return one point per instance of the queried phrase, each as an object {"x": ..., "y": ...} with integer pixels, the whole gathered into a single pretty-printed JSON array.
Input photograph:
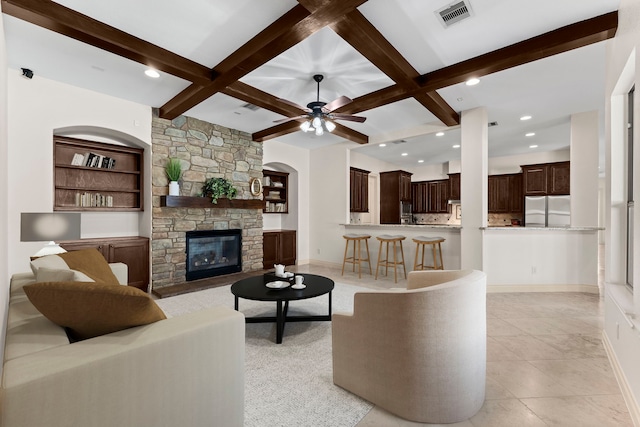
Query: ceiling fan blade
[
  {"x": 293, "y": 104},
  {"x": 336, "y": 103},
  {"x": 348, "y": 117},
  {"x": 287, "y": 119}
]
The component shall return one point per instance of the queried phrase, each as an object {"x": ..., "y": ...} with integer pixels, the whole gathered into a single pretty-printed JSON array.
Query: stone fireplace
[
  {"x": 213, "y": 253},
  {"x": 205, "y": 151}
]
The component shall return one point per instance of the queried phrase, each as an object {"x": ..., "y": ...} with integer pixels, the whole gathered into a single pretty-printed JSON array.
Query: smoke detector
[{"x": 454, "y": 13}]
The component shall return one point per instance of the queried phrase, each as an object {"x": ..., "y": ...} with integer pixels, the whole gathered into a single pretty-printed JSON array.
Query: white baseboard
[
  {"x": 627, "y": 394},
  {"x": 325, "y": 263},
  {"x": 592, "y": 289}
]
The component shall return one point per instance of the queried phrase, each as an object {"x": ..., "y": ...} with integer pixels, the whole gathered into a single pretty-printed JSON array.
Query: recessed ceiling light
[
  {"x": 152, "y": 73},
  {"x": 533, "y": 146},
  {"x": 523, "y": 118},
  {"x": 472, "y": 82},
  {"x": 404, "y": 154},
  {"x": 440, "y": 134},
  {"x": 456, "y": 146},
  {"x": 382, "y": 145},
  {"x": 530, "y": 134},
  {"x": 420, "y": 161}
]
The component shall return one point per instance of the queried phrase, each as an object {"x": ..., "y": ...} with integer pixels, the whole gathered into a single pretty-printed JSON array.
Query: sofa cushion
[
  {"x": 44, "y": 274},
  {"x": 92, "y": 263},
  {"x": 92, "y": 309},
  {"x": 54, "y": 262}
]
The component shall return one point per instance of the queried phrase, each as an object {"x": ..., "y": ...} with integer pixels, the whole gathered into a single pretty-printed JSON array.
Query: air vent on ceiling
[
  {"x": 454, "y": 13},
  {"x": 492, "y": 124},
  {"x": 400, "y": 141},
  {"x": 250, "y": 107}
]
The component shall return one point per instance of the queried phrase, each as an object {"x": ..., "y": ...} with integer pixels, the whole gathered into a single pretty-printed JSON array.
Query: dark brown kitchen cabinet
[
  {"x": 438, "y": 196},
  {"x": 359, "y": 190},
  {"x": 419, "y": 196},
  {"x": 132, "y": 251},
  {"x": 279, "y": 247},
  {"x": 558, "y": 178},
  {"x": 395, "y": 187},
  {"x": 546, "y": 179},
  {"x": 454, "y": 186},
  {"x": 505, "y": 193}
]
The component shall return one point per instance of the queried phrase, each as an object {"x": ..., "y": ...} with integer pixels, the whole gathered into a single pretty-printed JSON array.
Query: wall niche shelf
[
  {"x": 275, "y": 191},
  {"x": 93, "y": 176},
  {"x": 205, "y": 202}
]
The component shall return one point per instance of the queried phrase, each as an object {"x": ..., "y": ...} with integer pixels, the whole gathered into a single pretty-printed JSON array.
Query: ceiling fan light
[
  {"x": 319, "y": 131},
  {"x": 305, "y": 126},
  {"x": 317, "y": 123},
  {"x": 330, "y": 125}
]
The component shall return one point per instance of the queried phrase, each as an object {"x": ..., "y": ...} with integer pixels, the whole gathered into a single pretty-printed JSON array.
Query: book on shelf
[
  {"x": 78, "y": 160},
  {"x": 94, "y": 160},
  {"x": 94, "y": 200}
]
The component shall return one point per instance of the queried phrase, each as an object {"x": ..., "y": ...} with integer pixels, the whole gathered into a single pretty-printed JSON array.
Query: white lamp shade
[
  {"x": 330, "y": 125},
  {"x": 317, "y": 123},
  {"x": 305, "y": 127},
  {"x": 319, "y": 131}
]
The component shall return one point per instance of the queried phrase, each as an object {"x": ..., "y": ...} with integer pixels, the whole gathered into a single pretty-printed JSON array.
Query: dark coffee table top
[{"x": 254, "y": 288}]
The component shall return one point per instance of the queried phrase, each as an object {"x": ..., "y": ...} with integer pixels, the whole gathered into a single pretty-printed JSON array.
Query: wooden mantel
[{"x": 205, "y": 203}]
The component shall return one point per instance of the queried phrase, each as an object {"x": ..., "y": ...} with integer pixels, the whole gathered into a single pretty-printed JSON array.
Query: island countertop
[{"x": 406, "y": 226}]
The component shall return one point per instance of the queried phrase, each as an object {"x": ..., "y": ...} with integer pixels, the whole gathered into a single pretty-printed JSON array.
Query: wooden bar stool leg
[
  {"x": 404, "y": 267},
  {"x": 440, "y": 250},
  {"x": 366, "y": 242},
  {"x": 386, "y": 271},
  {"x": 395, "y": 263},
  {"x": 359, "y": 266},
  {"x": 433, "y": 250},
  {"x": 344, "y": 261},
  {"x": 415, "y": 261},
  {"x": 423, "y": 248},
  {"x": 378, "y": 263}
]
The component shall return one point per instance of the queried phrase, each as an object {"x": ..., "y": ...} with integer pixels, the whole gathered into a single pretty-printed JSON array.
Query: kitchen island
[
  {"x": 450, "y": 248},
  {"x": 541, "y": 258}
]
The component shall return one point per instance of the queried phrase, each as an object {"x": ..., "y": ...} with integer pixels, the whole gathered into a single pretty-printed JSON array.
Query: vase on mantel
[{"x": 174, "y": 188}]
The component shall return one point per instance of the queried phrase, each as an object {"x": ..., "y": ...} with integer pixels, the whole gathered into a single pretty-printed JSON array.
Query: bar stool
[
  {"x": 397, "y": 241},
  {"x": 421, "y": 242},
  {"x": 356, "y": 258}
]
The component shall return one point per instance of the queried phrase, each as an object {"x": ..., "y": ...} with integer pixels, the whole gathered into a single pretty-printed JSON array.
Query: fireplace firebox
[{"x": 213, "y": 253}]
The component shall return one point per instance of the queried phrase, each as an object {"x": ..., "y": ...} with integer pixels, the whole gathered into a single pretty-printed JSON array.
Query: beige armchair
[{"x": 419, "y": 353}]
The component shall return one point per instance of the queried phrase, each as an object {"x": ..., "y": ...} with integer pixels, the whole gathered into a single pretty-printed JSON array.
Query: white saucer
[
  {"x": 298, "y": 286},
  {"x": 279, "y": 284}
]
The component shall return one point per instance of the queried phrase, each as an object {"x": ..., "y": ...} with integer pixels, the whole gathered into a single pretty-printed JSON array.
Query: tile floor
[{"x": 546, "y": 365}]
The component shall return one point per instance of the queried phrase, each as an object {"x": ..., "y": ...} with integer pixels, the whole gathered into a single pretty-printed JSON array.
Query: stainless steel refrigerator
[{"x": 547, "y": 211}]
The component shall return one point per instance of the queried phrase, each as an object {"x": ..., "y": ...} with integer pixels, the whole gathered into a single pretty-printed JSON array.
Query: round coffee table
[{"x": 254, "y": 288}]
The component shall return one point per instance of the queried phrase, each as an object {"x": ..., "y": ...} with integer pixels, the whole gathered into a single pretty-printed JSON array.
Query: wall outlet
[
  {"x": 534, "y": 269},
  {"x": 318, "y": 251}
]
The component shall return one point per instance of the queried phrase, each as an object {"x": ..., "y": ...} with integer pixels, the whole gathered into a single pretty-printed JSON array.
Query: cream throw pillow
[
  {"x": 54, "y": 262},
  {"x": 44, "y": 274}
]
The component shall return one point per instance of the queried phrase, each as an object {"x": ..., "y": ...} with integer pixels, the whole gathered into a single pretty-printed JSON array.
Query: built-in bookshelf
[
  {"x": 274, "y": 190},
  {"x": 94, "y": 176}
]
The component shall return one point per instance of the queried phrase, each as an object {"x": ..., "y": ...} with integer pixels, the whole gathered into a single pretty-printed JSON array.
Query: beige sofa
[
  {"x": 419, "y": 353},
  {"x": 182, "y": 371}
]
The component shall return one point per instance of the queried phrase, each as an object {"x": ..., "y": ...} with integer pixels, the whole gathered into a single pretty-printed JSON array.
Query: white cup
[{"x": 299, "y": 280}]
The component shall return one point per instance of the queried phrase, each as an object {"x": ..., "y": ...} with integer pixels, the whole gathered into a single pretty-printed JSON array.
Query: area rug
[{"x": 288, "y": 384}]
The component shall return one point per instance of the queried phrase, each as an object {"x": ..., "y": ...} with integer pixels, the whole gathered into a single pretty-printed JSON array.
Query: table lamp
[{"x": 42, "y": 227}]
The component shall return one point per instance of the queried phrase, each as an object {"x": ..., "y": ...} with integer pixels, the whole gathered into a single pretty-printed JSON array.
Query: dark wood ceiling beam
[
  {"x": 280, "y": 36},
  {"x": 356, "y": 30},
  {"x": 65, "y": 21},
  {"x": 561, "y": 40},
  {"x": 252, "y": 95},
  {"x": 294, "y": 126}
]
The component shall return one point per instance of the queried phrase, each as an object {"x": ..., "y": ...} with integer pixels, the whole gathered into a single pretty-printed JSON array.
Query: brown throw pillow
[
  {"x": 92, "y": 263},
  {"x": 88, "y": 310}
]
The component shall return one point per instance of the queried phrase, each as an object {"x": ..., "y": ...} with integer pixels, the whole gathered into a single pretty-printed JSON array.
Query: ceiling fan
[{"x": 320, "y": 114}]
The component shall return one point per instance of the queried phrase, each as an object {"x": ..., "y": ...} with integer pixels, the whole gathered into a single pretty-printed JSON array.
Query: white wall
[
  {"x": 585, "y": 153},
  {"x": 511, "y": 164},
  {"x": 4, "y": 186},
  {"x": 279, "y": 154},
  {"x": 620, "y": 328},
  {"x": 37, "y": 108}
]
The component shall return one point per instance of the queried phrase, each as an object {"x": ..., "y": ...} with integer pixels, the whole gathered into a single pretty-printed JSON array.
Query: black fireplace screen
[{"x": 213, "y": 253}]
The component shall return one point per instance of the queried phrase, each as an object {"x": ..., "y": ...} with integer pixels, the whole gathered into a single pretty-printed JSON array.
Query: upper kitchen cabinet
[
  {"x": 505, "y": 193},
  {"x": 454, "y": 186},
  {"x": 359, "y": 190},
  {"x": 438, "y": 196},
  {"x": 546, "y": 179},
  {"x": 419, "y": 196},
  {"x": 395, "y": 187}
]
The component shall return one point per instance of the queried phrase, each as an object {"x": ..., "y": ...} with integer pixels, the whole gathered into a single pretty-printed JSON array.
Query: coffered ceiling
[{"x": 404, "y": 70}]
